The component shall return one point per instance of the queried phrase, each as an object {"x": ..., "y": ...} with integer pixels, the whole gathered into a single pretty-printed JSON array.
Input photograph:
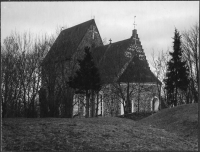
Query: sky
[{"x": 155, "y": 21}]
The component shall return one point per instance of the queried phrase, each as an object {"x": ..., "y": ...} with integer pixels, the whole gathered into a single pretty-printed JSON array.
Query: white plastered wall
[
  {"x": 122, "y": 108},
  {"x": 156, "y": 104}
]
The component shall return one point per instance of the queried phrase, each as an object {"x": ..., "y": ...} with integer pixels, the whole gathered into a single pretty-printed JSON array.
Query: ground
[
  {"x": 94, "y": 134},
  {"x": 182, "y": 120}
]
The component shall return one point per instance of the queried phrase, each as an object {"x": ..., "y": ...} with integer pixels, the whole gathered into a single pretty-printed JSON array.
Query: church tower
[{"x": 61, "y": 62}]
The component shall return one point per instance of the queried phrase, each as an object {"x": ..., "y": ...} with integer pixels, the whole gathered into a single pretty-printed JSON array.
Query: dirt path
[{"x": 88, "y": 134}]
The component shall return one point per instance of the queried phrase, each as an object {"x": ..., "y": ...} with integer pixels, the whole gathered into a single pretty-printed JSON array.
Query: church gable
[
  {"x": 121, "y": 61},
  {"x": 91, "y": 39},
  {"x": 68, "y": 41},
  {"x": 137, "y": 69},
  {"x": 124, "y": 61}
]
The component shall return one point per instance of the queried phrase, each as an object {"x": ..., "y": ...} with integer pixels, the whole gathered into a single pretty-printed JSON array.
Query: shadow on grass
[{"x": 136, "y": 116}]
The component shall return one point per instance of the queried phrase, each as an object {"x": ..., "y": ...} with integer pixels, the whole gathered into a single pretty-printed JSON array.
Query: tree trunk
[
  {"x": 92, "y": 105},
  {"x": 159, "y": 93},
  {"x": 194, "y": 92},
  {"x": 87, "y": 104},
  {"x": 124, "y": 107},
  {"x": 139, "y": 98},
  {"x": 176, "y": 93},
  {"x": 43, "y": 103},
  {"x": 97, "y": 107},
  {"x": 197, "y": 73},
  {"x": 102, "y": 106},
  {"x": 68, "y": 103},
  {"x": 129, "y": 107}
]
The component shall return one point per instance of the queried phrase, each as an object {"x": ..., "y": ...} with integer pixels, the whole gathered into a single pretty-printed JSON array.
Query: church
[{"x": 128, "y": 83}]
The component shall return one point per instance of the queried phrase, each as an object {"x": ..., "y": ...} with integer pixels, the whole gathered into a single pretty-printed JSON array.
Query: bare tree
[
  {"x": 159, "y": 64},
  {"x": 126, "y": 92},
  {"x": 10, "y": 84},
  {"x": 21, "y": 58},
  {"x": 190, "y": 46}
]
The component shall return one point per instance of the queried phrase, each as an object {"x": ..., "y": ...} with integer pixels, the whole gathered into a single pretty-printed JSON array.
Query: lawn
[
  {"x": 94, "y": 134},
  {"x": 182, "y": 120}
]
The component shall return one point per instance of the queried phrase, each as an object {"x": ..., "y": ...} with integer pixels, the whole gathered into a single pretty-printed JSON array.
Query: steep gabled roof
[
  {"x": 115, "y": 66},
  {"x": 138, "y": 71},
  {"x": 67, "y": 42},
  {"x": 110, "y": 59}
]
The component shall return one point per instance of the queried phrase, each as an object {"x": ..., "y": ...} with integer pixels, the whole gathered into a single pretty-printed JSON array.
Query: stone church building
[{"x": 124, "y": 71}]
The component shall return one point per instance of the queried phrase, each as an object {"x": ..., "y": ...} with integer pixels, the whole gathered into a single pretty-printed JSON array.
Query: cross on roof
[
  {"x": 135, "y": 39},
  {"x": 93, "y": 31},
  {"x": 110, "y": 41}
]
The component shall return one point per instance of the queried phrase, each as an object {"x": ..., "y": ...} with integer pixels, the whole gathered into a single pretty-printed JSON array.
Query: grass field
[
  {"x": 93, "y": 134},
  {"x": 182, "y": 120}
]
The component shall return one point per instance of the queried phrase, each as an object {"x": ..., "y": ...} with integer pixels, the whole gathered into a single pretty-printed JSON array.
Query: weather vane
[{"x": 134, "y": 22}]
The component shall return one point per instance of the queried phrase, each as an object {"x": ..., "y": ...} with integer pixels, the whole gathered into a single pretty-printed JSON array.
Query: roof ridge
[
  {"x": 119, "y": 41},
  {"x": 79, "y": 24},
  {"x": 68, "y": 38}
]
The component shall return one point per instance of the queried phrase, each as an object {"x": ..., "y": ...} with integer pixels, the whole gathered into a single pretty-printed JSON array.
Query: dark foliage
[
  {"x": 87, "y": 78},
  {"x": 177, "y": 76}
]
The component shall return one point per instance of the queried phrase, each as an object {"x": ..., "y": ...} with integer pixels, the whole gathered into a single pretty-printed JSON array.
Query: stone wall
[
  {"x": 145, "y": 98},
  {"x": 112, "y": 101}
]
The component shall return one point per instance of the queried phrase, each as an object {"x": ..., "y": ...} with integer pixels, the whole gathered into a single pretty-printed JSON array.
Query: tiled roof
[
  {"x": 111, "y": 61},
  {"x": 138, "y": 71},
  {"x": 67, "y": 42}
]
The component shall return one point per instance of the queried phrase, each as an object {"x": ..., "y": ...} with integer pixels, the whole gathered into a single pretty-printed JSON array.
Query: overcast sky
[{"x": 155, "y": 21}]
